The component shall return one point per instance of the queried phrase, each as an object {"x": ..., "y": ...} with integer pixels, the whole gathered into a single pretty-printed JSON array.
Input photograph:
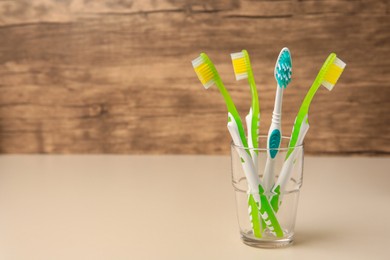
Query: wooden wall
[{"x": 115, "y": 76}]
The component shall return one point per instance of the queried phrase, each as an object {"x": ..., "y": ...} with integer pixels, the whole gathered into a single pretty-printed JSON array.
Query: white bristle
[
  {"x": 208, "y": 84},
  {"x": 237, "y": 55},
  {"x": 241, "y": 76},
  {"x": 327, "y": 85},
  {"x": 196, "y": 62},
  {"x": 339, "y": 63}
]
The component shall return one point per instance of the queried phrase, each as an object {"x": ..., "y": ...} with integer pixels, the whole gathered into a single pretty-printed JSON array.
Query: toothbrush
[
  {"x": 209, "y": 76},
  {"x": 330, "y": 72},
  {"x": 282, "y": 73},
  {"x": 248, "y": 167},
  {"x": 243, "y": 70},
  {"x": 261, "y": 201}
]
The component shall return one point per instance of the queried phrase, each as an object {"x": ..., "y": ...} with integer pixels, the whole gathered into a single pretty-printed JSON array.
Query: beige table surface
[{"x": 181, "y": 207}]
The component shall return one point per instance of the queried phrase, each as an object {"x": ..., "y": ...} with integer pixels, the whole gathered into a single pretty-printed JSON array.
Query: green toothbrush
[
  {"x": 330, "y": 72},
  {"x": 209, "y": 76},
  {"x": 243, "y": 70}
]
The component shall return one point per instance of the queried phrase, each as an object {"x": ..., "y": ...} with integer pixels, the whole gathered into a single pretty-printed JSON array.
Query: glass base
[{"x": 266, "y": 242}]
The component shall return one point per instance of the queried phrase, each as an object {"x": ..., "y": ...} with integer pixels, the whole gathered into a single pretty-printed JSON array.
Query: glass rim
[{"x": 266, "y": 149}]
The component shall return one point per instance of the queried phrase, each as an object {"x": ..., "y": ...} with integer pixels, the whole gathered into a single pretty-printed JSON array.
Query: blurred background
[{"x": 82, "y": 76}]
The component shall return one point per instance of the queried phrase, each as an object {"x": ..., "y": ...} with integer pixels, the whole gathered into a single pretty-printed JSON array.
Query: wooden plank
[
  {"x": 371, "y": 7},
  {"x": 25, "y": 11},
  {"x": 109, "y": 83},
  {"x": 328, "y": 7},
  {"x": 250, "y": 8}
]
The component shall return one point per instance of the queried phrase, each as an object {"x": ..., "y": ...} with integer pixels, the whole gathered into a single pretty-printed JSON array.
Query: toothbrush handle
[
  {"x": 268, "y": 174},
  {"x": 288, "y": 167},
  {"x": 255, "y": 186},
  {"x": 251, "y": 175},
  {"x": 249, "y": 122},
  {"x": 246, "y": 160},
  {"x": 273, "y": 141},
  {"x": 282, "y": 181},
  {"x": 269, "y": 216},
  {"x": 253, "y": 210}
]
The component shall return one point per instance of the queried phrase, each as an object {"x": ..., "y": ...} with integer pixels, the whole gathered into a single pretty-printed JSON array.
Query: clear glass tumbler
[{"x": 283, "y": 202}]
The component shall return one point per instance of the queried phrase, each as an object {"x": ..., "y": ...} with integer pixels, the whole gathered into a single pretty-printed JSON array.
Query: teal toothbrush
[{"x": 282, "y": 73}]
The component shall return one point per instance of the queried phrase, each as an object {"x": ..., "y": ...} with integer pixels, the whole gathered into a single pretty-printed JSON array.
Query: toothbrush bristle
[
  {"x": 240, "y": 65},
  {"x": 333, "y": 73},
  {"x": 283, "y": 68},
  {"x": 204, "y": 72}
]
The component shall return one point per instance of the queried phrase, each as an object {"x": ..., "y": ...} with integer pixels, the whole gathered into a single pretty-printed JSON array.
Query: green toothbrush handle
[
  {"x": 269, "y": 216},
  {"x": 253, "y": 209}
]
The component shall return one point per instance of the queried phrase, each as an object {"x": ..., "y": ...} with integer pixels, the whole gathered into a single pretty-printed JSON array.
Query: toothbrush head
[
  {"x": 331, "y": 71},
  {"x": 241, "y": 64},
  {"x": 283, "y": 68},
  {"x": 205, "y": 70}
]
